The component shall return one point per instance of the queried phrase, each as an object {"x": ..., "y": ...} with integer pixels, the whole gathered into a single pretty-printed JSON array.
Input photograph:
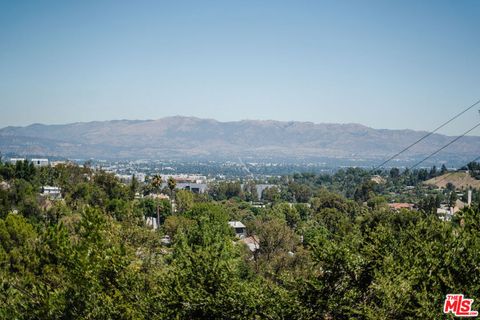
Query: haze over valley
[{"x": 195, "y": 138}]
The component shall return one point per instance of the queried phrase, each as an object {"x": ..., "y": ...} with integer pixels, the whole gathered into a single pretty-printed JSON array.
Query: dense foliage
[{"x": 324, "y": 254}]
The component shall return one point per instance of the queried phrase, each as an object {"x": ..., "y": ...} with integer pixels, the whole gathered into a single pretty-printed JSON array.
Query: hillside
[
  {"x": 182, "y": 137},
  {"x": 461, "y": 180}
]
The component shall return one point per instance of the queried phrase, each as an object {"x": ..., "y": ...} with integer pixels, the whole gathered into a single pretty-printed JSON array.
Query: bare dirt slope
[{"x": 461, "y": 180}]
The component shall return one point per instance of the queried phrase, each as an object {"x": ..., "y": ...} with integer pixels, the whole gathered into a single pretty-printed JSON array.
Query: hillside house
[{"x": 240, "y": 228}]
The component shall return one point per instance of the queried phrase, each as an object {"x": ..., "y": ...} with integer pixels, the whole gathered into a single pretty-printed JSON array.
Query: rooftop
[{"x": 236, "y": 224}]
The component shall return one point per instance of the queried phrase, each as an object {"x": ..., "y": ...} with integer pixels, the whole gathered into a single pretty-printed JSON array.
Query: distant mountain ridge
[{"x": 189, "y": 137}]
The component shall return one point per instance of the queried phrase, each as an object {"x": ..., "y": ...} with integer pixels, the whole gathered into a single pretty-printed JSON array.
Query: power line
[
  {"x": 445, "y": 146},
  {"x": 426, "y": 136}
]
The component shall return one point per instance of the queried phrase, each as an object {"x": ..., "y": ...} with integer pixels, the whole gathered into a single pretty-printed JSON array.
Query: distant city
[{"x": 235, "y": 148}]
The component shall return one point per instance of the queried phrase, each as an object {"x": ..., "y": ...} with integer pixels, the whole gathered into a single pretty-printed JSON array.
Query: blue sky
[{"x": 385, "y": 64}]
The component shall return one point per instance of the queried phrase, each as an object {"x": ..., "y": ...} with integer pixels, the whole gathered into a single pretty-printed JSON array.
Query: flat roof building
[{"x": 40, "y": 162}]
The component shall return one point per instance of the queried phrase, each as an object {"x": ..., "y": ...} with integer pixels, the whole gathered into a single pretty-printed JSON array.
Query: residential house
[{"x": 240, "y": 228}]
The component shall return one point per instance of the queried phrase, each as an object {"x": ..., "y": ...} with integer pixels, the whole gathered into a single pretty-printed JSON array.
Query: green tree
[
  {"x": 134, "y": 187},
  {"x": 271, "y": 194},
  {"x": 286, "y": 212},
  {"x": 203, "y": 279},
  {"x": 444, "y": 169},
  {"x": 251, "y": 191},
  {"x": 276, "y": 240},
  {"x": 184, "y": 200},
  {"x": 394, "y": 173}
]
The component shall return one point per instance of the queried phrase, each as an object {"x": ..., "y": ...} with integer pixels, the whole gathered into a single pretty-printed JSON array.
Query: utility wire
[
  {"x": 451, "y": 142},
  {"x": 425, "y": 136}
]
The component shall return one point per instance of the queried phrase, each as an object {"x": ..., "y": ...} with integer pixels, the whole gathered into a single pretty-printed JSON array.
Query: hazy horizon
[{"x": 227, "y": 121}]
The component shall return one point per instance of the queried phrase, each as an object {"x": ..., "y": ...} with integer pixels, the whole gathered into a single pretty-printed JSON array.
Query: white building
[
  {"x": 15, "y": 160},
  {"x": 444, "y": 214},
  {"x": 40, "y": 162},
  {"x": 251, "y": 242},
  {"x": 52, "y": 192},
  {"x": 240, "y": 228}
]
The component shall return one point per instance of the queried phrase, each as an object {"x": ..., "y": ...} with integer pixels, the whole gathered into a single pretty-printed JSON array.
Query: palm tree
[{"x": 172, "y": 185}]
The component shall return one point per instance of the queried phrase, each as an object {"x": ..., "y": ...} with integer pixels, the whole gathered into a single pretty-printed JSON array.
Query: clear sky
[{"x": 385, "y": 64}]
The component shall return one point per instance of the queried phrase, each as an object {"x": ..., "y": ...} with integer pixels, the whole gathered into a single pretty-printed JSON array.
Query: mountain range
[{"x": 194, "y": 138}]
